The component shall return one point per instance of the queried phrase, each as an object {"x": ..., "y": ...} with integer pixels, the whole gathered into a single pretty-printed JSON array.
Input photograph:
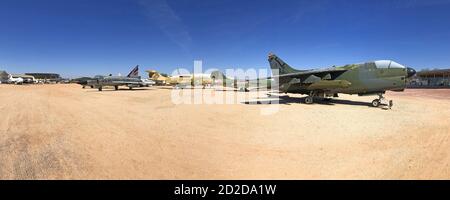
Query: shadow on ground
[
  {"x": 120, "y": 90},
  {"x": 287, "y": 100}
]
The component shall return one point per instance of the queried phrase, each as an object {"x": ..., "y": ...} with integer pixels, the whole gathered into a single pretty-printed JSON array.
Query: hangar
[{"x": 431, "y": 78}]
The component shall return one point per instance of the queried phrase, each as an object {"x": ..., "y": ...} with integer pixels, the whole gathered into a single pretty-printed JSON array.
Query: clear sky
[{"x": 89, "y": 37}]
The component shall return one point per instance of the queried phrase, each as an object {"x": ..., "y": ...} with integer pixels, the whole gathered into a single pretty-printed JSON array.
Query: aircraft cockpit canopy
[{"x": 388, "y": 64}]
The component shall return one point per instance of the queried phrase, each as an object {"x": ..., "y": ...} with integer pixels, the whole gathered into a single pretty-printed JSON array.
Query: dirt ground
[{"x": 65, "y": 132}]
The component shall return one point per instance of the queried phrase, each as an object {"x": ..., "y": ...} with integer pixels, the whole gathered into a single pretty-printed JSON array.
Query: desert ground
[{"x": 65, "y": 132}]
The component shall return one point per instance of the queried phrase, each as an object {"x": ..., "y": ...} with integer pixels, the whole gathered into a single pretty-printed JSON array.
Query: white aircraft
[{"x": 15, "y": 79}]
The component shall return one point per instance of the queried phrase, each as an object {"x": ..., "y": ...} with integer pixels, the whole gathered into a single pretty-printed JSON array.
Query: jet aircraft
[
  {"x": 370, "y": 78},
  {"x": 131, "y": 81},
  {"x": 180, "y": 81}
]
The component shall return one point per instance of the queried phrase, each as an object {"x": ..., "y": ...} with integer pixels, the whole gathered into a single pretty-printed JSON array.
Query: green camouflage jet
[{"x": 370, "y": 78}]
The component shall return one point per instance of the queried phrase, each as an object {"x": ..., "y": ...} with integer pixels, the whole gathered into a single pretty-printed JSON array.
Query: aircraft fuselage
[{"x": 363, "y": 78}]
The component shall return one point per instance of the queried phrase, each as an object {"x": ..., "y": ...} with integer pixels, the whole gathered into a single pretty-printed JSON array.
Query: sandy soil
[{"x": 65, "y": 132}]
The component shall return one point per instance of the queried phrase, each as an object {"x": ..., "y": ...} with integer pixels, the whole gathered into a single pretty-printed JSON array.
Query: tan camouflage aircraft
[{"x": 181, "y": 80}]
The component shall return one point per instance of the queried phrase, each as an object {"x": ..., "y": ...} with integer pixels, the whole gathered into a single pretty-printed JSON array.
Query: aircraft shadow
[
  {"x": 224, "y": 90},
  {"x": 287, "y": 100},
  {"x": 163, "y": 88},
  {"x": 120, "y": 90},
  {"x": 172, "y": 88}
]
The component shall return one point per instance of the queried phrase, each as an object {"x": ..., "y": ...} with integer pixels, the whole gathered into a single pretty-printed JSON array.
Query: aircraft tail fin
[
  {"x": 218, "y": 75},
  {"x": 277, "y": 64},
  {"x": 153, "y": 74},
  {"x": 134, "y": 72}
]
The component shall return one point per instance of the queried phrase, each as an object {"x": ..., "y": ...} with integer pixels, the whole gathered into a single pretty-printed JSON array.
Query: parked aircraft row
[
  {"x": 30, "y": 78},
  {"x": 369, "y": 78},
  {"x": 132, "y": 80}
]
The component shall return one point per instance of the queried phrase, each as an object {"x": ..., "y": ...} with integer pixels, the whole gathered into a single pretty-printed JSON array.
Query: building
[
  {"x": 46, "y": 77},
  {"x": 439, "y": 78}
]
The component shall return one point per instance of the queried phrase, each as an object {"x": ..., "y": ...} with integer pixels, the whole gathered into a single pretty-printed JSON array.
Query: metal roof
[{"x": 437, "y": 73}]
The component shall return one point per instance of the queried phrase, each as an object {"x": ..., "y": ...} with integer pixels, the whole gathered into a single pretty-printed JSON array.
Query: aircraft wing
[
  {"x": 316, "y": 72},
  {"x": 311, "y": 76},
  {"x": 315, "y": 79}
]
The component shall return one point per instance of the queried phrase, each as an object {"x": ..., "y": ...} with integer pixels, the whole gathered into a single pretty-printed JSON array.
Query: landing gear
[
  {"x": 116, "y": 87},
  {"x": 130, "y": 88},
  {"x": 321, "y": 95},
  {"x": 377, "y": 102},
  {"x": 309, "y": 100},
  {"x": 100, "y": 89}
]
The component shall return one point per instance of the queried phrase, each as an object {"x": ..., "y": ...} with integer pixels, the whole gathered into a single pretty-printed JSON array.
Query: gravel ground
[{"x": 65, "y": 132}]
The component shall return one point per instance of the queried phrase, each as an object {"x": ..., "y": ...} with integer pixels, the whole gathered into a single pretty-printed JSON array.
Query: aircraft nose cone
[{"x": 410, "y": 72}]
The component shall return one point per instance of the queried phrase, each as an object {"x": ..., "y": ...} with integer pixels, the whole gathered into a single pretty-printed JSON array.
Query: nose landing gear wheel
[{"x": 309, "y": 100}]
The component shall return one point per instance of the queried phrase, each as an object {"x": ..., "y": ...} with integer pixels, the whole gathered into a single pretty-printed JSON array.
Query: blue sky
[{"x": 89, "y": 37}]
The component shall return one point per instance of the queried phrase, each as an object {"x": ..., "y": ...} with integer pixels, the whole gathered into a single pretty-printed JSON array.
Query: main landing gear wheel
[
  {"x": 100, "y": 89},
  {"x": 376, "y": 103},
  {"x": 309, "y": 100},
  {"x": 116, "y": 87}
]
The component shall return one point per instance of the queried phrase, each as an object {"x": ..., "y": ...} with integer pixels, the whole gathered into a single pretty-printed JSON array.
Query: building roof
[
  {"x": 22, "y": 76},
  {"x": 44, "y": 75},
  {"x": 437, "y": 73}
]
